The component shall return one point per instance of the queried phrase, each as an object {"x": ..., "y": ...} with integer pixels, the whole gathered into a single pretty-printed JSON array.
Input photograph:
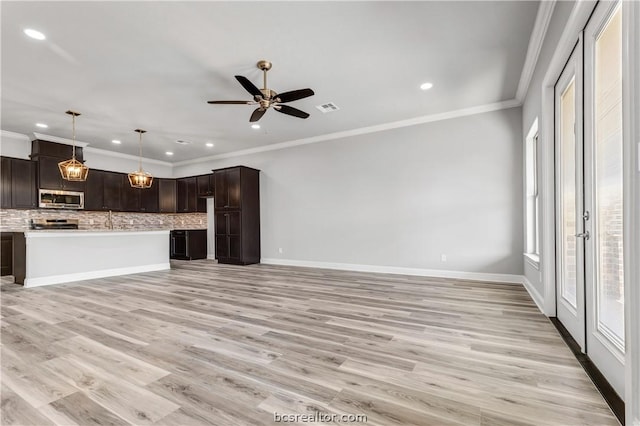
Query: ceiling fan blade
[
  {"x": 249, "y": 86},
  {"x": 257, "y": 114},
  {"x": 230, "y": 102},
  {"x": 286, "y": 109},
  {"x": 294, "y": 95}
]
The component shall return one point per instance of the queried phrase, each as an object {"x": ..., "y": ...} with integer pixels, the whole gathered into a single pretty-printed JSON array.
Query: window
[{"x": 533, "y": 197}]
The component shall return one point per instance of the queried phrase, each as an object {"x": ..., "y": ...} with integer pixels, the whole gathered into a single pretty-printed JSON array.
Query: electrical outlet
[
  {"x": 443, "y": 258},
  {"x": 90, "y": 221},
  {"x": 130, "y": 221},
  {"x": 161, "y": 222},
  {"x": 200, "y": 221},
  {"x": 280, "y": 250},
  {"x": 182, "y": 222}
]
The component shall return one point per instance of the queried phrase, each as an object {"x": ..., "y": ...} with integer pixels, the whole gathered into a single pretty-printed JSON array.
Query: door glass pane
[
  {"x": 608, "y": 180},
  {"x": 568, "y": 194}
]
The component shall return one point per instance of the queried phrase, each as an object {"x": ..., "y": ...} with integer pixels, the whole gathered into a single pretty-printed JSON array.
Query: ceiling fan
[{"x": 267, "y": 98}]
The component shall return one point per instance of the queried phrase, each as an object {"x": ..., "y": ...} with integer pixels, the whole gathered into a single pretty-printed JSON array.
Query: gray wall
[
  {"x": 398, "y": 198},
  {"x": 532, "y": 106}
]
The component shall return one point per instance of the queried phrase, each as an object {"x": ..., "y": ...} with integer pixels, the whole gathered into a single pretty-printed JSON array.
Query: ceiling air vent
[
  {"x": 328, "y": 107},
  {"x": 181, "y": 142}
]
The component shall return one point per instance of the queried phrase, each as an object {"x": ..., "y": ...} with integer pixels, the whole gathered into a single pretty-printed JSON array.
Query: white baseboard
[
  {"x": 534, "y": 293},
  {"x": 476, "y": 276},
  {"x": 81, "y": 276}
]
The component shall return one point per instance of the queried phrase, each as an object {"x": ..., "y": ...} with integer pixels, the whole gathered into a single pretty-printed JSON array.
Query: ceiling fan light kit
[{"x": 266, "y": 98}]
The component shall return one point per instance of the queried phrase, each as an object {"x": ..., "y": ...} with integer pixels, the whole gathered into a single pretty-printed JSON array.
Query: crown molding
[
  {"x": 58, "y": 139},
  {"x": 8, "y": 134},
  {"x": 126, "y": 156},
  {"x": 545, "y": 10},
  {"x": 479, "y": 109}
]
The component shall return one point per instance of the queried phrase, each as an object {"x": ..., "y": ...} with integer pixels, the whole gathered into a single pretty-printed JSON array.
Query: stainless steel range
[{"x": 53, "y": 224}]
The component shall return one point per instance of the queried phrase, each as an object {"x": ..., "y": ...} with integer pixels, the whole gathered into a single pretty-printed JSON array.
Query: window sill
[{"x": 533, "y": 260}]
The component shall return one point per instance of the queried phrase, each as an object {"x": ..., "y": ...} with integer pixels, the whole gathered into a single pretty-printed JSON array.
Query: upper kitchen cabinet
[
  {"x": 206, "y": 185},
  {"x": 5, "y": 183},
  {"x": 24, "y": 194},
  {"x": 166, "y": 195},
  {"x": 49, "y": 175},
  {"x": 104, "y": 191},
  {"x": 139, "y": 200},
  {"x": 18, "y": 186},
  {"x": 53, "y": 149},
  {"x": 187, "y": 196},
  {"x": 149, "y": 199},
  {"x": 228, "y": 187}
]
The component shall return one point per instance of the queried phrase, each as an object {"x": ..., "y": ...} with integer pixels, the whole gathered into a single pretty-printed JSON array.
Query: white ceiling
[{"x": 153, "y": 65}]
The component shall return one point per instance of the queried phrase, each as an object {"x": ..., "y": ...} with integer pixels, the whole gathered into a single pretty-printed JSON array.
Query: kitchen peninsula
[{"x": 45, "y": 257}]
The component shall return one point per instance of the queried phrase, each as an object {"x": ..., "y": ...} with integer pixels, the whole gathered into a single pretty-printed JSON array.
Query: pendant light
[
  {"x": 140, "y": 179},
  {"x": 73, "y": 169}
]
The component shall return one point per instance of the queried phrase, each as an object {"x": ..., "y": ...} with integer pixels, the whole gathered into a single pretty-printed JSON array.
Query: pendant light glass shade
[
  {"x": 73, "y": 169},
  {"x": 140, "y": 178}
]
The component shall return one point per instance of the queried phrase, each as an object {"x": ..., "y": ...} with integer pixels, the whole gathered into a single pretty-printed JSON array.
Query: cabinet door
[
  {"x": 182, "y": 197},
  {"x": 233, "y": 188},
  {"x": 222, "y": 192},
  {"x": 221, "y": 223},
  {"x": 49, "y": 173},
  {"x": 113, "y": 191},
  {"x": 222, "y": 246},
  {"x": 94, "y": 191},
  {"x": 130, "y": 197},
  {"x": 5, "y": 184},
  {"x": 192, "y": 195},
  {"x": 23, "y": 184},
  {"x": 149, "y": 198},
  {"x": 167, "y": 195},
  {"x": 235, "y": 247},
  {"x": 203, "y": 185}
]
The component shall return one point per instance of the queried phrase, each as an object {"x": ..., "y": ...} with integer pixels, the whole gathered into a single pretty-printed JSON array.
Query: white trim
[
  {"x": 532, "y": 259},
  {"x": 81, "y": 276},
  {"x": 475, "y": 276},
  {"x": 57, "y": 139},
  {"x": 76, "y": 233},
  {"x": 512, "y": 103},
  {"x": 126, "y": 156},
  {"x": 576, "y": 22},
  {"x": 8, "y": 134},
  {"x": 539, "y": 32},
  {"x": 533, "y": 292},
  {"x": 631, "y": 137}
]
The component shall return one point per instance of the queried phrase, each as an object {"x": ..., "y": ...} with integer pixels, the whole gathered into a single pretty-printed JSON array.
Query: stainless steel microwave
[{"x": 52, "y": 199}]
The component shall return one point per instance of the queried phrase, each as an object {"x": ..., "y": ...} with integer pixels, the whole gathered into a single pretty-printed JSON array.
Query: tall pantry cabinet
[{"x": 237, "y": 215}]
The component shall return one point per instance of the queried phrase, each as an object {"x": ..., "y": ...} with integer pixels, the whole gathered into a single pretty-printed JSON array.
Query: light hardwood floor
[{"x": 225, "y": 345}]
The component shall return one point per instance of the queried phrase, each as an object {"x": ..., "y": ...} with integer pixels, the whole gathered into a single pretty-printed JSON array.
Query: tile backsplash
[{"x": 17, "y": 220}]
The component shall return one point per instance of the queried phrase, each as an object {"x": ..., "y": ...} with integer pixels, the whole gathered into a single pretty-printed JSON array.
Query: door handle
[{"x": 584, "y": 235}]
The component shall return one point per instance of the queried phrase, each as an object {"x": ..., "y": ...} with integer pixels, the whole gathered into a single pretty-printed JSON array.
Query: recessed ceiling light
[
  {"x": 426, "y": 86},
  {"x": 255, "y": 126},
  {"x": 169, "y": 153},
  {"x": 44, "y": 126},
  {"x": 116, "y": 141},
  {"x": 34, "y": 34},
  {"x": 210, "y": 145}
]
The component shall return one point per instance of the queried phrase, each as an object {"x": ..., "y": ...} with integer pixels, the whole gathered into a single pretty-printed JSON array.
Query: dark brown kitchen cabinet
[
  {"x": 227, "y": 188},
  {"x": 237, "y": 215},
  {"x": 112, "y": 191},
  {"x": 187, "y": 200},
  {"x": 149, "y": 202},
  {"x": 24, "y": 194},
  {"x": 206, "y": 185},
  {"x": 5, "y": 183},
  {"x": 130, "y": 197},
  {"x": 49, "y": 176},
  {"x": 103, "y": 190},
  {"x": 6, "y": 253},
  {"x": 188, "y": 244},
  {"x": 167, "y": 195},
  {"x": 54, "y": 149},
  {"x": 94, "y": 193}
]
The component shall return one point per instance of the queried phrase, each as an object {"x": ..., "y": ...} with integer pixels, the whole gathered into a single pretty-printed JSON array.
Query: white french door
[
  {"x": 589, "y": 194},
  {"x": 604, "y": 192},
  {"x": 570, "y": 213}
]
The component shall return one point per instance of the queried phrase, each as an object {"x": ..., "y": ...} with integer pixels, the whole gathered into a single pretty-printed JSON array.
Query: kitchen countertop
[{"x": 98, "y": 230}]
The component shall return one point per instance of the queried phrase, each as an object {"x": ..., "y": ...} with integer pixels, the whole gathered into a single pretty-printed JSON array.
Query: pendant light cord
[
  {"x": 140, "y": 158},
  {"x": 73, "y": 121}
]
